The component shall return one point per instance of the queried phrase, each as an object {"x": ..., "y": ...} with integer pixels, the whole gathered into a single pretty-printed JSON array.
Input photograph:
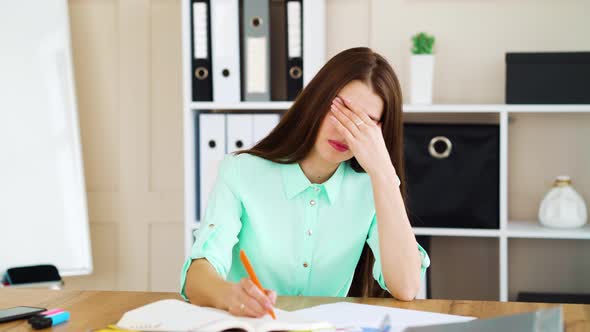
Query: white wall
[{"x": 129, "y": 95}]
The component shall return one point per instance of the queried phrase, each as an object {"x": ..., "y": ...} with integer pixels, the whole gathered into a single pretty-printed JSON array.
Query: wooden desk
[{"x": 96, "y": 309}]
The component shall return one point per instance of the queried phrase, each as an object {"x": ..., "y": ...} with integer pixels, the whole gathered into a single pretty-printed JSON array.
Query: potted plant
[{"x": 421, "y": 69}]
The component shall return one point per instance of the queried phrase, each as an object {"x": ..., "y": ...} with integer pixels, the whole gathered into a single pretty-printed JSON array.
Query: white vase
[
  {"x": 421, "y": 78},
  {"x": 562, "y": 206}
]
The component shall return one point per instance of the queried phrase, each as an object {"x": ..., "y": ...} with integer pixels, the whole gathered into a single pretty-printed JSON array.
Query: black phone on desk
[{"x": 14, "y": 313}]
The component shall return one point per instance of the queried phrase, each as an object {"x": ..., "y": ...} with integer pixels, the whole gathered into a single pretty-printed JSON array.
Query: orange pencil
[{"x": 250, "y": 270}]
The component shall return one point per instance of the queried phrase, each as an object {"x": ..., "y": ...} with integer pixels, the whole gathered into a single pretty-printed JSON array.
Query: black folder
[
  {"x": 278, "y": 50},
  {"x": 202, "y": 87},
  {"x": 294, "y": 48}
]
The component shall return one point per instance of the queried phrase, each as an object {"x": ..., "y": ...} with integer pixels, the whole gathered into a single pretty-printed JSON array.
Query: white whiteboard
[{"x": 43, "y": 213}]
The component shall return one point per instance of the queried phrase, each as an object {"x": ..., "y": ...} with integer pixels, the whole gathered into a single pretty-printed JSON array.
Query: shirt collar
[{"x": 295, "y": 181}]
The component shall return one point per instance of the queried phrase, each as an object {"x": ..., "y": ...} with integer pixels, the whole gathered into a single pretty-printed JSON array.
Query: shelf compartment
[
  {"x": 547, "y": 266},
  {"x": 464, "y": 268}
]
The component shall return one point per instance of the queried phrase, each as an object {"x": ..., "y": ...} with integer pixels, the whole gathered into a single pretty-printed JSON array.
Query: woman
[{"x": 306, "y": 199}]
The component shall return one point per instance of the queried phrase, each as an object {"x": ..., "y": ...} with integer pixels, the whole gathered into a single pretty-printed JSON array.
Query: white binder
[
  {"x": 263, "y": 124},
  {"x": 239, "y": 132},
  {"x": 211, "y": 153},
  {"x": 225, "y": 39}
]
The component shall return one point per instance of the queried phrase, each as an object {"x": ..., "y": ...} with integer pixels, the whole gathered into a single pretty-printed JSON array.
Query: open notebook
[{"x": 174, "y": 315}]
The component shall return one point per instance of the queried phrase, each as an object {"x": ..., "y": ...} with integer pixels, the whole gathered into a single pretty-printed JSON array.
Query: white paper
[{"x": 348, "y": 315}]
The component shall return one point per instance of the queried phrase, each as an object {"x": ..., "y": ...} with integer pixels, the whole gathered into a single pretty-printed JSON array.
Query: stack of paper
[
  {"x": 345, "y": 315},
  {"x": 174, "y": 315}
]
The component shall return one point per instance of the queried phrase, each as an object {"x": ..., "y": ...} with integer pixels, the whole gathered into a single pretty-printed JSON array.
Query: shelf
[
  {"x": 458, "y": 232},
  {"x": 495, "y": 108},
  {"x": 558, "y": 108},
  {"x": 516, "y": 229},
  {"x": 534, "y": 230},
  {"x": 408, "y": 108},
  {"x": 245, "y": 105},
  {"x": 452, "y": 108}
]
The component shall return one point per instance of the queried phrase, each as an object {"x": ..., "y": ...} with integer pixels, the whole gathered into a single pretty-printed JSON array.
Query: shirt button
[
  {"x": 312, "y": 202},
  {"x": 299, "y": 294},
  {"x": 309, "y": 232},
  {"x": 211, "y": 225},
  {"x": 316, "y": 189},
  {"x": 305, "y": 264}
]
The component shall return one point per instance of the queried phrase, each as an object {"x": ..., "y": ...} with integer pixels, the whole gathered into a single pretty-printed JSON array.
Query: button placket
[{"x": 311, "y": 213}]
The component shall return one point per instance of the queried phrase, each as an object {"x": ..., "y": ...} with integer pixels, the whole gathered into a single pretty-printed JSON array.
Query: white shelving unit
[
  {"x": 314, "y": 58},
  {"x": 509, "y": 229}
]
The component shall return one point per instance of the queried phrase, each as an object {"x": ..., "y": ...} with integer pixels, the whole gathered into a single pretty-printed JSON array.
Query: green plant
[{"x": 423, "y": 43}]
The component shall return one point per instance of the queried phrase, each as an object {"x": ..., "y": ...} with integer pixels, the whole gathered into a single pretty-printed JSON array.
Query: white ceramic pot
[
  {"x": 562, "y": 206},
  {"x": 421, "y": 78}
]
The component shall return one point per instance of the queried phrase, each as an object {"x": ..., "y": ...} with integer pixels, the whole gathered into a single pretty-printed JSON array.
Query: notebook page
[{"x": 171, "y": 315}]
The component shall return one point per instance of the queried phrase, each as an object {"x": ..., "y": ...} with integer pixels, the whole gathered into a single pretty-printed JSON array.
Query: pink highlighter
[{"x": 44, "y": 314}]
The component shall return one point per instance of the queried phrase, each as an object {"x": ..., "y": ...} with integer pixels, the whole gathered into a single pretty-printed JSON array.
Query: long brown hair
[{"x": 295, "y": 135}]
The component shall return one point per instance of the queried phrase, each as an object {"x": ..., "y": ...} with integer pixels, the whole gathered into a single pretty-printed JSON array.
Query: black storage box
[
  {"x": 453, "y": 175},
  {"x": 553, "y": 297},
  {"x": 548, "y": 78}
]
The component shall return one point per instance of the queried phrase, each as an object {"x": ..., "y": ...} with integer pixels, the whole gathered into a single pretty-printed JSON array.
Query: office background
[{"x": 127, "y": 62}]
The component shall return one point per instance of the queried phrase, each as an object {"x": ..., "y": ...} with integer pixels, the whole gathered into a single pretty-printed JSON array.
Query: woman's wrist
[
  {"x": 386, "y": 173},
  {"x": 220, "y": 300}
]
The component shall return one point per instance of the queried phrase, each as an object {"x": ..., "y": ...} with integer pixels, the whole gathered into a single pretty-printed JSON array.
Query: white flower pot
[
  {"x": 562, "y": 206},
  {"x": 421, "y": 78}
]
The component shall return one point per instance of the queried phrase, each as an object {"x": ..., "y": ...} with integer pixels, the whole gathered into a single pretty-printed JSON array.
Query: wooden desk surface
[{"x": 96, "y": 309}]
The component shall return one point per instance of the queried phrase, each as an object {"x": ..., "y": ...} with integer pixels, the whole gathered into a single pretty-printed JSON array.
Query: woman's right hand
[{"x": 245, "y": 299}]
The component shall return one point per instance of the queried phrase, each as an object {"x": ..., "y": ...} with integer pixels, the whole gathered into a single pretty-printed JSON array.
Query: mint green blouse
[{"x": 301, "y": 238}]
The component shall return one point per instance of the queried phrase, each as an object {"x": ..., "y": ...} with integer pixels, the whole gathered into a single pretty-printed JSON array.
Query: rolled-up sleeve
[
  {"x": 373, "y": 242},
  {"x": 221, "y": 224}
]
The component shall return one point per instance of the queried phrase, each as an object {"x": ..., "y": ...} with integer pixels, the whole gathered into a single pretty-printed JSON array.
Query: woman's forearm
[
  {"x": 204, "y": 286},
  {"x": 400, "y": 258}
]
